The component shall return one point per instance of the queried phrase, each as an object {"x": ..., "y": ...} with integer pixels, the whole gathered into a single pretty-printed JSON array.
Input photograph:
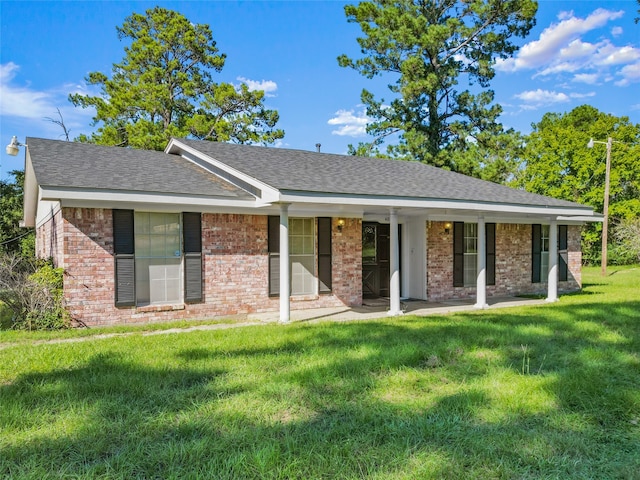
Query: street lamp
[
  {"x": 605, "y": 223},
  {"x": 13, "y": 147}
]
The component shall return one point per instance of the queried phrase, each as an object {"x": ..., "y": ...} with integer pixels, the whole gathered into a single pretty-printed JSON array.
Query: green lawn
[{"x": 540, "y": 392}]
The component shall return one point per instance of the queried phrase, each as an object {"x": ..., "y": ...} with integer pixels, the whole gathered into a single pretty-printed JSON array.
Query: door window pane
[{"x": 369, "y": 246}]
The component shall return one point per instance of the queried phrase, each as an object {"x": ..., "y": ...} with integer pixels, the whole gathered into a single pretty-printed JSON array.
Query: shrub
[{"x": 32, "y": 291}]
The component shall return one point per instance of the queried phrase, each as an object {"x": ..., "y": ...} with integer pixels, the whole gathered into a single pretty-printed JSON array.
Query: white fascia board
[
  {"x": 46, "y": 211},
  {"x": 440, "y": 204},
  {"x": 268, "y": 194},
  {"x": 580, "y": 220},
  {"x": 31, "y": 192},
  {"x": 106, "y": 198}
]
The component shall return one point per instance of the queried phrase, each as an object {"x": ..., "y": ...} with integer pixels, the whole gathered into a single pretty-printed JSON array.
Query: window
[
  {"x": 309, "y": 262},
  {"x": 470, "y": 254},
  {"x": 157, "y": 258},
  {"x": 302, "y": 256},
  {"x": 465, "y": 253},
  {"x": 544, "y": 251},
  {"x": 540, "y": 253}
]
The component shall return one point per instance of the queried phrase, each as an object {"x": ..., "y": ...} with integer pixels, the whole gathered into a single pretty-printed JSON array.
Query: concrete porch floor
[{"x": 378, "y": 308}]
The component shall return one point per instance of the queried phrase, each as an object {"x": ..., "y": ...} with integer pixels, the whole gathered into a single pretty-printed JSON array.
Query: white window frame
[
  {"x": 544, "y": 252},
  {"x": 470, "y": 268},
  {"x": 303, "y": 256},
  {"x": 159, "y": 277}
]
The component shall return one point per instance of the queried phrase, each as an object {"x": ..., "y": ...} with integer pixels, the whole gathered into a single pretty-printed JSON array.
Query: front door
[{"x": 376, "y": 247}]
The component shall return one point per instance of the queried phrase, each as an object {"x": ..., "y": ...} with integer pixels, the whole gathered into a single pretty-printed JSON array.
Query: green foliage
[
  {"x": 32, "y": 291},
  {"x": 163, "y": 88},
  {"x": 627, "y": 232},
  {"x": 559, "y": 164},
  {"x": 429, "y": 48},
  {"x": 12, "y": 236}
]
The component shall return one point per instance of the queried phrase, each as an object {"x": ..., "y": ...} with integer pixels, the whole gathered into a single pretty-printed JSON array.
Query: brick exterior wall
[
  {"x": 235, "y": 269},
  {"x": 513, "y": 263},
  {"x": 49, "y": 238}
]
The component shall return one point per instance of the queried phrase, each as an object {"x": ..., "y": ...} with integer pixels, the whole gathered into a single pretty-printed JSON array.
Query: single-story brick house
[{"x": 195, "y": 231}]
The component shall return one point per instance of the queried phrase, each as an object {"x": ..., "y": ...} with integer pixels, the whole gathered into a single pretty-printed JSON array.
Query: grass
[{"x": 538, "y": 392}]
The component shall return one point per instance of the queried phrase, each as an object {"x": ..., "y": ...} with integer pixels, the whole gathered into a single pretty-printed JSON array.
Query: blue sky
[{"x": 579, "y": 52}]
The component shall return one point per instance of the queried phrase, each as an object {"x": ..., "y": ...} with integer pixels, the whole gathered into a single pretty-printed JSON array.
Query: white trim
[
  {"x": 269, "y": 193},
  {"x": 454, "y": 205},
  {"x": 285, "y": 283},
  {"x": 552, "y": 275},
  {"x": 481, "y": 266},
  {"x": 394, "y": 265}
]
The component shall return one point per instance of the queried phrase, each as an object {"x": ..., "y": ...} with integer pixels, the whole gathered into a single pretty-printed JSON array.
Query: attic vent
[
  {"x": 246, "y": 186},
  {"x": 318, "y": 145}
]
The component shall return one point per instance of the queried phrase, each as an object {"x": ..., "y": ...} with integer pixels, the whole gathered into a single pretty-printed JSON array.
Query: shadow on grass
[{"x": 413, "y": 398}]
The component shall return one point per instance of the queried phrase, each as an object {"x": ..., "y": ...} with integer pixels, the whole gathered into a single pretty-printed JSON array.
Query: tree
[
  {"x": 559, "y": 164},
  {"x": 627, "y": 232},
  {"x": 428, "y": 47},
  {"x": 163, "y": 87},
  {"x": 13, "y": 238}
]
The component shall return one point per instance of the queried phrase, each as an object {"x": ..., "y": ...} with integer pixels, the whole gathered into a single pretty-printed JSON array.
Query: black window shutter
[
  {"x": 124, "y": 258},
  {"x": 273, "y": 247},
  {"x": 458, "y": 254},
  {"x": 324, "y": 254},
  {"x": 563, "y": 254},
  {"x": 536, "y": 248},
  {"x": 192, "y": 244},
  {"x": 490, "y": 229}
]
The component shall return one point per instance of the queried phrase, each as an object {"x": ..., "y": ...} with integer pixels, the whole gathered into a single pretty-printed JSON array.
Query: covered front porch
[
  {"x": 406, "y": 273},
  {"x": 379, "y": 308}
]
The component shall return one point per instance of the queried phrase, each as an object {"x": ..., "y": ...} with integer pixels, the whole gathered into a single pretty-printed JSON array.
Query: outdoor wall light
[
  {"x": 13, "y": 147},
  {"x": 340, "y": 224},
  {"x": 447, "y": 227}
]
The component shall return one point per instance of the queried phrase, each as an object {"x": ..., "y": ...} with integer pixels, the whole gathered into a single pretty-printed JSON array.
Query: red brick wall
[
  {"x": 513, "y": 263},
  {"x": 49, "y": 238},
  {"x": 235, "y": 263}
]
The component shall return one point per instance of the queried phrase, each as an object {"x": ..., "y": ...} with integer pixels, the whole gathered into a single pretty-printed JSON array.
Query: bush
[{"x": 32, "y": 291}]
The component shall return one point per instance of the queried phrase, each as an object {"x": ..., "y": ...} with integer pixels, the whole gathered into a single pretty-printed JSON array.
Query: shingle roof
[
  {"x": 78, "y": 165},
  {"x": 306, "y": 171}
]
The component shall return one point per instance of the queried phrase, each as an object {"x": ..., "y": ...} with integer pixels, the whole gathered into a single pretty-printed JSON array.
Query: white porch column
[
  {"x": 285, "y": 284},
  {"x": 394, "y": 265},
  {"x": 552, "y": 280},
  {"x": 481, "y": 279}
]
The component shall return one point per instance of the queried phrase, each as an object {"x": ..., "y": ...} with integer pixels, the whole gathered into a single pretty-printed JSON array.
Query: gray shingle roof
[
  {"x": 78, "y": 165},
  {"x": 306, "y": 171}
]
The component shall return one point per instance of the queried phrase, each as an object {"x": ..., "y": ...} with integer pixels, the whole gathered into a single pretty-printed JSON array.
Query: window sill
[{"x": 160, "y": 308}]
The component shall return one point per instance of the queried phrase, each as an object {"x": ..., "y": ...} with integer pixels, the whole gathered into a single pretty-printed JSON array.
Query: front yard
[{"x": 536, "y": 392}]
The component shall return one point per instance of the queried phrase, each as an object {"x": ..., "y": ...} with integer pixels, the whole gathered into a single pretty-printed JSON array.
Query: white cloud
[
  {"x": 267, "y": 86},
  {"x": 352, "y": 124},
  {"x": 31, "y": 107},
  {"x": 534, "y": 99},
  {"x": 21, "y": 101},
  {"x": 559, "y": 45},
  {"x": 542, "y": 97},
  {"x": 588, "y": 78},
  {"x": 630, "y": 74},
  {"x": 616, "y": 31}
]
